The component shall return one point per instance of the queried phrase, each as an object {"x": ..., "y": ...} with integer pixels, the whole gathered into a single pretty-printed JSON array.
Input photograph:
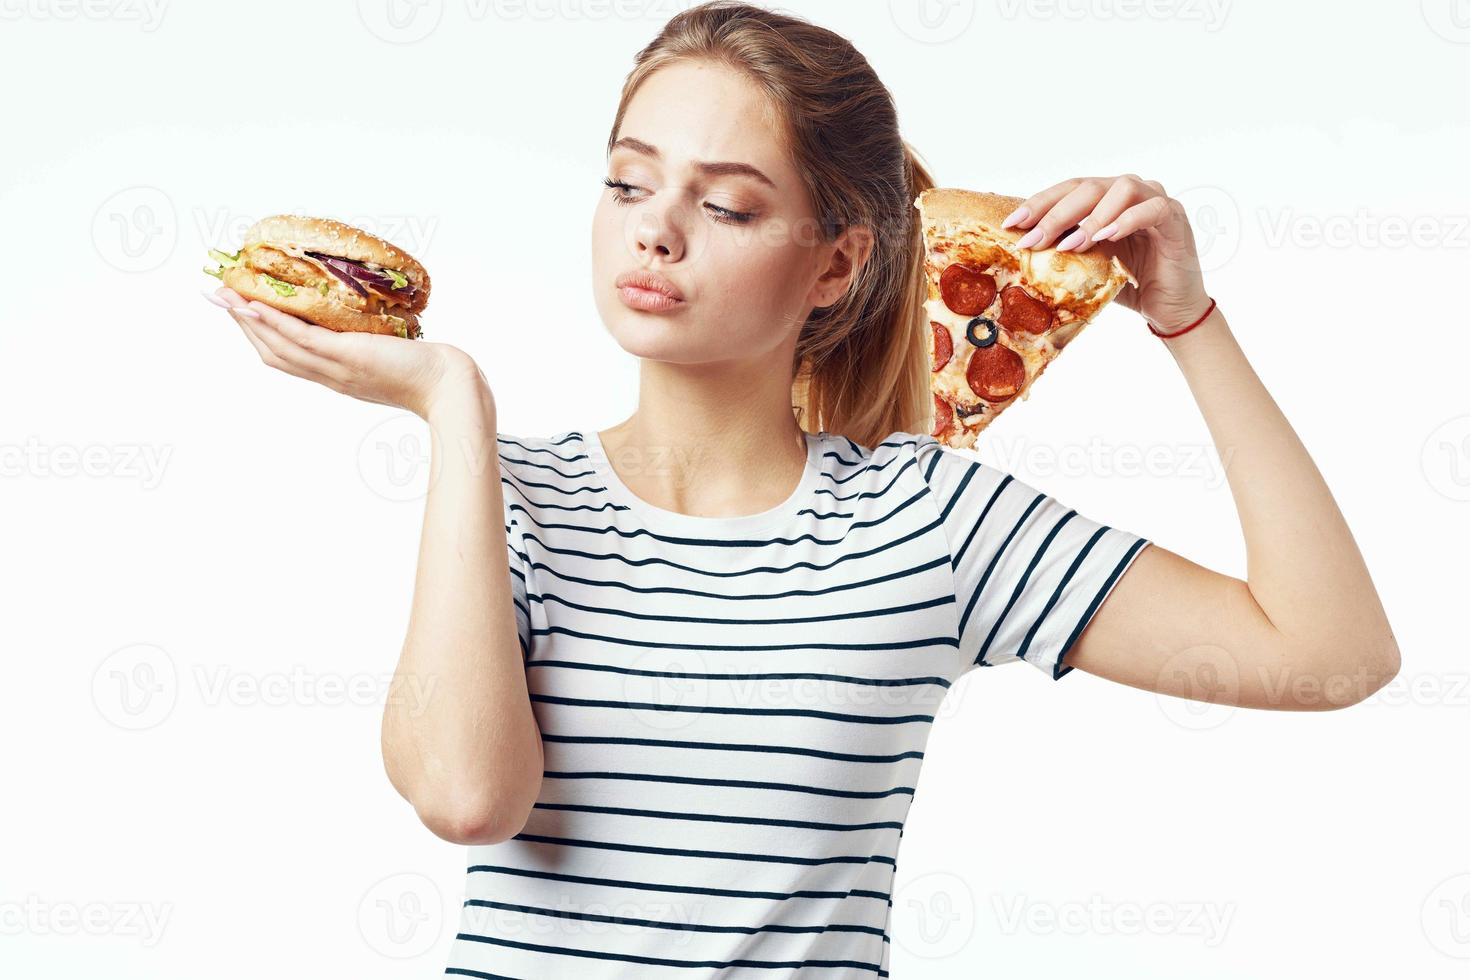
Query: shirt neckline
[{"x": 671, "y": 520}]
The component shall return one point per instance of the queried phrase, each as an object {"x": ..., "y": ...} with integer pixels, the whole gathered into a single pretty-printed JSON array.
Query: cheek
[{"x": 767, "y": 280}]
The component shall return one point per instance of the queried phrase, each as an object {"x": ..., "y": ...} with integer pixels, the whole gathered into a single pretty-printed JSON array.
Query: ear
[{"x": 852, "y": 247}]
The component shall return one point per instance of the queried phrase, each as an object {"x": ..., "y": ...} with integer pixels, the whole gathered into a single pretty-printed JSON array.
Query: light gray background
[{"x": 207, "y": 564}]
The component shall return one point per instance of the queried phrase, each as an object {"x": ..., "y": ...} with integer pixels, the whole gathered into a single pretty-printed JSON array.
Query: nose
[{"x": 659, "y": 229}]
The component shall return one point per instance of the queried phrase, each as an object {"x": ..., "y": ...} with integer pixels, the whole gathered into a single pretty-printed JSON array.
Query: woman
[{"x": 680, "y": 723}]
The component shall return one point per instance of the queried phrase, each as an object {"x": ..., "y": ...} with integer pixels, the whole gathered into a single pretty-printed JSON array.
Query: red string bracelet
[{"x": 1180, "y": 333}]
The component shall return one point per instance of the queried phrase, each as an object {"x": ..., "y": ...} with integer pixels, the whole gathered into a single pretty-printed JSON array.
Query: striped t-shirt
[{"x": 734, "y": 709}]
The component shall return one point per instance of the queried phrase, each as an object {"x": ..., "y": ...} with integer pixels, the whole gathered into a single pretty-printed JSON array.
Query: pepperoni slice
[
  {"x": 966, "y": 289},
  {"x": 943, "y": 348},
  {"x": 1023, "y": 312},
  {"x": 943, "y": 415},
  {"x": 995, "y": 373}
]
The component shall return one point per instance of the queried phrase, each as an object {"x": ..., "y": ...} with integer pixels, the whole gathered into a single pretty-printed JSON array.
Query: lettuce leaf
[{"x": 281, "y": 288}]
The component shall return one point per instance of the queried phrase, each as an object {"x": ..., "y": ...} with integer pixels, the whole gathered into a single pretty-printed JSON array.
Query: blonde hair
[{"x": 861, "y": 367}]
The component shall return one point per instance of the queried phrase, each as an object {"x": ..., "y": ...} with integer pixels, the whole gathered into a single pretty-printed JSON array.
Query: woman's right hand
[{"x": 410, "y": 374}]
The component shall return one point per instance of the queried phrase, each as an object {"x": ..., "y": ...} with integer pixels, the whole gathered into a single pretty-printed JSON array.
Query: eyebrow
[{"x": 716, "y": 168}]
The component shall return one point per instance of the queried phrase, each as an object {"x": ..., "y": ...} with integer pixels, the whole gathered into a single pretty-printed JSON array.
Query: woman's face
[{"x": 712, "y": 205}]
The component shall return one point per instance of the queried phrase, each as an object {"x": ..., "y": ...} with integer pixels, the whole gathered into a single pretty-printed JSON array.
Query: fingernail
[
  {"x": 214, "y": 299},
  {"x": 246, "y": 311},
  {"x": 1020, "y": 214},
  {"x": 1030, "y": 238},
  {"x": 1107, "y": 232},
  {"x": 1072, "y": 241}
]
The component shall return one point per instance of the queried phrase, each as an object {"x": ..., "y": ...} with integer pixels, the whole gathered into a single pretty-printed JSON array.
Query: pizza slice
[{"x": 998, "y": 314}]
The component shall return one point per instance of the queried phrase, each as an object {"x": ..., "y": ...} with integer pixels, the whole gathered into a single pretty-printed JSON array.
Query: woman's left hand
[{"x": 1135, "y": 220}]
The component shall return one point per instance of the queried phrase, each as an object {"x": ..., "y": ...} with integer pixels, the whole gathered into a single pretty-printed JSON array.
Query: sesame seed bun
[{"x": 334, "y": 295}]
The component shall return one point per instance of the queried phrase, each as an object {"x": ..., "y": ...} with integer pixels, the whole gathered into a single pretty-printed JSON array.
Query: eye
[{"x": 621, "y": 195}]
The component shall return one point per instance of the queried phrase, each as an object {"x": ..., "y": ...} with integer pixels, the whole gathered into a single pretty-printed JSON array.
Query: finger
[
  {"x": 302, "y": 363},
  {"x": 1062, "y": 214},
  {"x": 1029, "y": 210},
  {"x": 267, "y": 356},
  {"x": 1145, "y": 214},
  {"x": 308, "y": 336},
  {"x": 1125, "y": 192}
]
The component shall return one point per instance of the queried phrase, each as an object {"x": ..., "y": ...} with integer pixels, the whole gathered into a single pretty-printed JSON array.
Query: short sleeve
[
  {"x": 516, "y": 556},
  {"x": 1029, "y": 572}
]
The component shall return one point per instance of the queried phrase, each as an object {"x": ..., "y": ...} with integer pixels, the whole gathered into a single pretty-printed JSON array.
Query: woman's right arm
[{"x": 460, "y": 741}]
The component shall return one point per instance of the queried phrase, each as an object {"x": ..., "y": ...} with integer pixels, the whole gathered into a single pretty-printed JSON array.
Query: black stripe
[
  {"x": 720, "y": 817},
  {"x": 850, "y": 794},
  {"x": 766, "y": 621},
  {"x": 681, "y": 926},
  {"x": 752, "y": 647},
  {"x": 681, "y": 889},
  {"x": 1020, "y": 588},
  {"x": 715, "y": 855},
  {"x": 711, "y": 709},
  {"x": 663, "y": 961},
  {"x": 805, "y": 676},
  {"x": 1058, "y": 669},
  {"x": 995, "y": 559}
]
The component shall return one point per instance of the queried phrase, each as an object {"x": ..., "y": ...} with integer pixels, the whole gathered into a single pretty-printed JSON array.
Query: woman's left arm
[{"x": 1306, "y": 629}]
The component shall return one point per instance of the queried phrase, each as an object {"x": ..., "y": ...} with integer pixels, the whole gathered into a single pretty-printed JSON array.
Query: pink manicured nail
[
  {"x": 214, "y": 299},
  {"x": 246, "y": 311},
  {"x": 1072, "y": 241},
  {"x": 1020, "y": 214},
  {"x": 1107, "y": 232},
  {"x": 1030, "y": 238}
]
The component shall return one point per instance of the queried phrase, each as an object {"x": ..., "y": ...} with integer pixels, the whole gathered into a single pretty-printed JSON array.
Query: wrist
[
  {"x": 1179, "y": 324},
  {"x": 460, "y": 392}
]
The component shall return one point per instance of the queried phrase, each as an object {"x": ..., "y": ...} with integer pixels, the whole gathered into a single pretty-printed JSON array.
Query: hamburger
[{"x": 328, "y": 273}]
